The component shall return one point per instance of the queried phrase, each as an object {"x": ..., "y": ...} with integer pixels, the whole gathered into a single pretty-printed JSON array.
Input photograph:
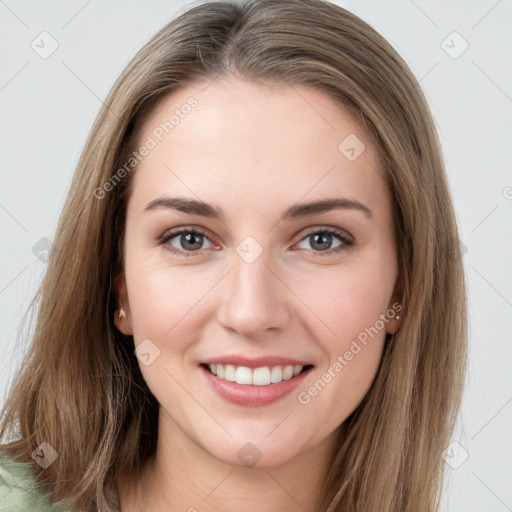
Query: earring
[
  {"x": 122, "y": 314},
  {"x": 397, "y": 316}
]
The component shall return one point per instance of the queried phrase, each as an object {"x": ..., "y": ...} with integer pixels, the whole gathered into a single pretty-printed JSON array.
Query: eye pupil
[
  {"x": 320, "y": 240},
  {"x": 192, "y": 241},
  {"x": 188, "y": 239}
]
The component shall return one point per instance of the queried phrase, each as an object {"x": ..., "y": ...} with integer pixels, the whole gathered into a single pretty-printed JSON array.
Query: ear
[
  {"x": 396, "y": 309},
  {"x": 123, "y": 322}
]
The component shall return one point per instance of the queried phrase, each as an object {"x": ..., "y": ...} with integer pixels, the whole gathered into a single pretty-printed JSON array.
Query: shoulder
[{"x": 19, "y": 490}]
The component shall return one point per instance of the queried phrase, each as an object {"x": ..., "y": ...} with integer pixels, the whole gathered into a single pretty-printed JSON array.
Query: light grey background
[{"x": 48, "y": 106}]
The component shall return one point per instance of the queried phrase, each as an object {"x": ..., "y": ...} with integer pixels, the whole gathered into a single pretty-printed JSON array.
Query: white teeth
[
  {"x": 288, "y": 372},
  {"x": 276, "y": 375},
  {"x": 243, "y": 375},
  {"x": 229, "y": 373},
  {"x": 262, "y": 376}
]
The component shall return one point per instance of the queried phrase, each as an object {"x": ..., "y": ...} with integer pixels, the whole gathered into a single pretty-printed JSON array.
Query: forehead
[{"x": 231, "y": 138}]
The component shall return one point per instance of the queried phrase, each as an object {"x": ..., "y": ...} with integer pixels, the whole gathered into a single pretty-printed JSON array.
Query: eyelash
[{"x": 346, "y": 242}]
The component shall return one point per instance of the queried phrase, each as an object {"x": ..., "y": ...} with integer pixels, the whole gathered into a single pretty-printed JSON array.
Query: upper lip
[{"x": 255, "y": 362}]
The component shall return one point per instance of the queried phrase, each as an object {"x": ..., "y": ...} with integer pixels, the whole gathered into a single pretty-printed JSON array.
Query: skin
[{"x": 253, "y": 151}]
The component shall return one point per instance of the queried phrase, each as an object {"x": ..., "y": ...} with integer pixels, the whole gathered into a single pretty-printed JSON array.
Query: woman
[{"x": 256, "y": 299}]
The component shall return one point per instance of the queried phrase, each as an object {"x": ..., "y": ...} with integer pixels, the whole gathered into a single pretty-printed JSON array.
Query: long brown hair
[{"x": 80, "y": 388}]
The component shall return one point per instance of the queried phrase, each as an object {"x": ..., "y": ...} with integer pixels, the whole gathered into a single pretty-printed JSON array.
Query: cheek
[
  {"x": 351, "y": 333},
  {"x": 342, "y": 301},
  {"x": 346, "y": 301},
  {"x": 164, "y": 307},
  {"x": 160, "y": 296}
]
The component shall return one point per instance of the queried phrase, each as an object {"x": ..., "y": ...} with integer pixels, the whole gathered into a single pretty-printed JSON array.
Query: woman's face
[{"x": 257, "y": 277}]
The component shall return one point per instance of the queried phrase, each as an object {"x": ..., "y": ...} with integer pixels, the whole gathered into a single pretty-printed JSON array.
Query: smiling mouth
[{"x": 261, "y": 376}]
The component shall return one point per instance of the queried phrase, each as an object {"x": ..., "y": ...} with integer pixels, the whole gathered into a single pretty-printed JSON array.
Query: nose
[{"x": 255, "y": 301}]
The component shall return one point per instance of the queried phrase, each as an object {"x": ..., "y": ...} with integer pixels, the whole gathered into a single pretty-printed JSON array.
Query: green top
[{"x": 21, "y": 492}]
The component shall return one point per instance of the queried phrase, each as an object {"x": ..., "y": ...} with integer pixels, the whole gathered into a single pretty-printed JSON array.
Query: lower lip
[{"x": 253, "y": 396}]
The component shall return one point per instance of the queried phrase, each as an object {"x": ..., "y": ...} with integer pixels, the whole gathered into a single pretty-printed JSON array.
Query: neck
[{"x": 183, "y": 476}]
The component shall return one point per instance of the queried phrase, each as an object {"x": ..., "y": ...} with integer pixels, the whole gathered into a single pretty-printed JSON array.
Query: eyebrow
[{"x": 196, "y": 207}]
